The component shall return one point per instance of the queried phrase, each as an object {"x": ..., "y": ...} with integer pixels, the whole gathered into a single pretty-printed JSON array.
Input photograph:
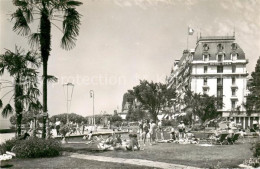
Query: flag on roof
[{"x": 190, "y": 31}]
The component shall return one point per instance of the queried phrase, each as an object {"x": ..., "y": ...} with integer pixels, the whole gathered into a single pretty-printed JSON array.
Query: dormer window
[
  {"x": 234, "y": 56},
  {"x": 205, "y": 47},
  {"x": 220, "y": 58},
  {"x": 233, "y": 46},
  {"x": 220, "y": 47}
]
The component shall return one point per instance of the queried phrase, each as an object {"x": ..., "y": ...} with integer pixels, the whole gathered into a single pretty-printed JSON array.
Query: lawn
[
  {"x": 67, "y": 162},
  {"x": 229, "y": 156}
]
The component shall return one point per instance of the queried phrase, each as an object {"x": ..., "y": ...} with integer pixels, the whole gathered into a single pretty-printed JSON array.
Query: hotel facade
[{"x": 217, "y": 66}]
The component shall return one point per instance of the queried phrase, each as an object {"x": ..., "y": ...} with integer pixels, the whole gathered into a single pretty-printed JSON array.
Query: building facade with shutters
[{"x": 217, "y": 66}]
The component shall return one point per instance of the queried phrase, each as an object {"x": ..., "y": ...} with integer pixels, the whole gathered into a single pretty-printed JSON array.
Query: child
[{"x": 133, "y": 143}]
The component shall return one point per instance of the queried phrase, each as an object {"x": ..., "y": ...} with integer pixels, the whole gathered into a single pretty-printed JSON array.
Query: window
[
  {"x": 219, "y": 81},
  {"x": 233, "y": 80},
  {"x": 219, "y": 69},
  {"x": 233, "y": 68},
  {"x": 205, "y": 47},
  {"x": 234, "y": 56},
  {"x": 233, "y": 92},
  {"x": 205, "y": 81},
  {"x": 233, "y": 104},
  {"x": 205, "y": 57},
  {"x": 220, "y": 58},
  {"x": 205, "y": 69},
  {"x": 220, "y": 47},
  {"x": 234, "y": 46}
]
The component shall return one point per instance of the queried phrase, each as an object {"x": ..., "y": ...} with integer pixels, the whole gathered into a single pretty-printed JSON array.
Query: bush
[
  {"x": 33, "y": 147},
  {"x": 8, "y": 145},
  {"x": 256, "y": 149}
]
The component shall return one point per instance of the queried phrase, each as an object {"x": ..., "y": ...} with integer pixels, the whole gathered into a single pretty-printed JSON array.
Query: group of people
[{"x": 113, "y": 142}]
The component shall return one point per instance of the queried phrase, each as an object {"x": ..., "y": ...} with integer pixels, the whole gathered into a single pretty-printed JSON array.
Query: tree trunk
[
  {"x": 44, "y": 98},
  {"x": 45, "y": 41},
  {"x": 18, "y": 105}
]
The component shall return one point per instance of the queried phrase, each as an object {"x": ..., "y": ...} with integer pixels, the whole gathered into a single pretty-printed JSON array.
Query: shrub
[
  {"x": 256, "y": 149},
  {"x": 33, "y": 147},
  {"x": 8, "y": 145}
]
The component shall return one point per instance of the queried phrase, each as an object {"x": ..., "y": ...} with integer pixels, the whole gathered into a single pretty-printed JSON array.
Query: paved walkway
[{"x": 140, "y": 162}]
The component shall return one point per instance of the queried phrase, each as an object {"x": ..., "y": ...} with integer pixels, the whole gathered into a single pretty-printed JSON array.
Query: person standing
[
  {"x": 146, "y": 128},
  {"x": 160, "y": 129},
  {"x": 181, "y": 128},
  {"x": 57, "y": 124},
  {"x": 153, "y": 131}
]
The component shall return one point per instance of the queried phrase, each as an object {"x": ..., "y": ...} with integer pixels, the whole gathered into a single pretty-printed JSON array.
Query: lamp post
[
  {"x": 69, "y": 88},
  {"x": 91, "y": 92}
]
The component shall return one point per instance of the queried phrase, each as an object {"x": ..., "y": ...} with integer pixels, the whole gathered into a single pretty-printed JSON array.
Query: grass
[
  {"x": 67, "y": 162},
  {"x": 228, "y": 156}
]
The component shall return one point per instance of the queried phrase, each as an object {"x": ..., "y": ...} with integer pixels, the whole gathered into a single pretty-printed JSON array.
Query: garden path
[{"x": 139, "y": 162}]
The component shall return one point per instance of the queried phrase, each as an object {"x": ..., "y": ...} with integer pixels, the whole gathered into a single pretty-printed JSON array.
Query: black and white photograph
[{"x": 104, "y": 84}]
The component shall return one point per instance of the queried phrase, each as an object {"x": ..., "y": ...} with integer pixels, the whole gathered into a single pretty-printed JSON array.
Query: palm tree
[
  {"x": 48, "y": 11},
  {"x": 22, "y": 67}
]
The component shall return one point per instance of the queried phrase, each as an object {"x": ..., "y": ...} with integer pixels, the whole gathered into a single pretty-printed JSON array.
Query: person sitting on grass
[{"x": 133, "y": 143}]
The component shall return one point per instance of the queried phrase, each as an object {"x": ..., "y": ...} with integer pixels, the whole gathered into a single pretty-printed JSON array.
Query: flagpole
[{"x": 188, "y": 38}]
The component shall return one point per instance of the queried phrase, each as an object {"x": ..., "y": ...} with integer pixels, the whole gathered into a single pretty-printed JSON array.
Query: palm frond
[
  {"x": 7, "y": 110},
  {"x": 70, "y": 28},
  {"x": 1, "y": 104},
  {"x": 34, "y": 40},
  {"x": 73, "y": 3},
  {"x": 20, "y": 3},
  {"x": 21, "y": 25},
  {"x": 51, "y": 78},
  {"x": 35, "y": 106},
  {"x": 32, "y": 58}
]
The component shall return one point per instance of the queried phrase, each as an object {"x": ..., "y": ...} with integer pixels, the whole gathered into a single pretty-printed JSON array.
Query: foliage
[
  {"x": 253, "y": 98},
  {"x": 75, "y": 118},
  {"x": 22, "y": 67},
  {"x": 152, "y": 96},
  {"x": 8, "y": 145},
  {"x": 47, "y": 11},
  {"x": 34, "y": 147},
  {"x": 115, "y": 118},
  {"x": 256, "y": 149},
  {"x": 204, "y": 106},
  {"x": 135, "y": 114}
]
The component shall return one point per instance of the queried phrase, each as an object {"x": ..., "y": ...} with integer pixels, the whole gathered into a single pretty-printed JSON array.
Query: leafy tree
[
  {"x": 115, "y": 118},
  {"x": 253, "y": 98},
  {"x": 47, "y": 11},
  {"x": 75, "y": 118},
  {"x": 135, "y": 114},
  {"x": 204, "y": 106},
  {"x": 22, "y": 67},
  {"x": 153, "y": 97}
]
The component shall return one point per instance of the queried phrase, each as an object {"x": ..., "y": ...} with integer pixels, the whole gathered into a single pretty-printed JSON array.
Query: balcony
[
  {"x": 234, "y": 86},
  {"x": 233, "y": 97}
]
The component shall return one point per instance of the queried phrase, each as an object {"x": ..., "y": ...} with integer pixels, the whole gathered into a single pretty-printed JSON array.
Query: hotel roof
[{"x": 214, "y": 45}]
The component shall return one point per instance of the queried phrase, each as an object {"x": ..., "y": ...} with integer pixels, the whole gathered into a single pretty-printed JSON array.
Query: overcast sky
[{"x": 122, "y": 41}]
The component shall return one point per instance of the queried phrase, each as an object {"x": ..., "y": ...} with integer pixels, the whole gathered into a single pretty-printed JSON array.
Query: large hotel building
[{"x": 217, "y": 66}]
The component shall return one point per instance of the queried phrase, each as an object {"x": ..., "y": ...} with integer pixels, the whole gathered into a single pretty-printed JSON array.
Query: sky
[{"x": 123, "y": 41}]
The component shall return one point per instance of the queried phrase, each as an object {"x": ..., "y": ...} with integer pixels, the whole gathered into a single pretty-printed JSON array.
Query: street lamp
[
  {"x": 91, "y": 92},
  {"x": 69, "y": 92}
]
